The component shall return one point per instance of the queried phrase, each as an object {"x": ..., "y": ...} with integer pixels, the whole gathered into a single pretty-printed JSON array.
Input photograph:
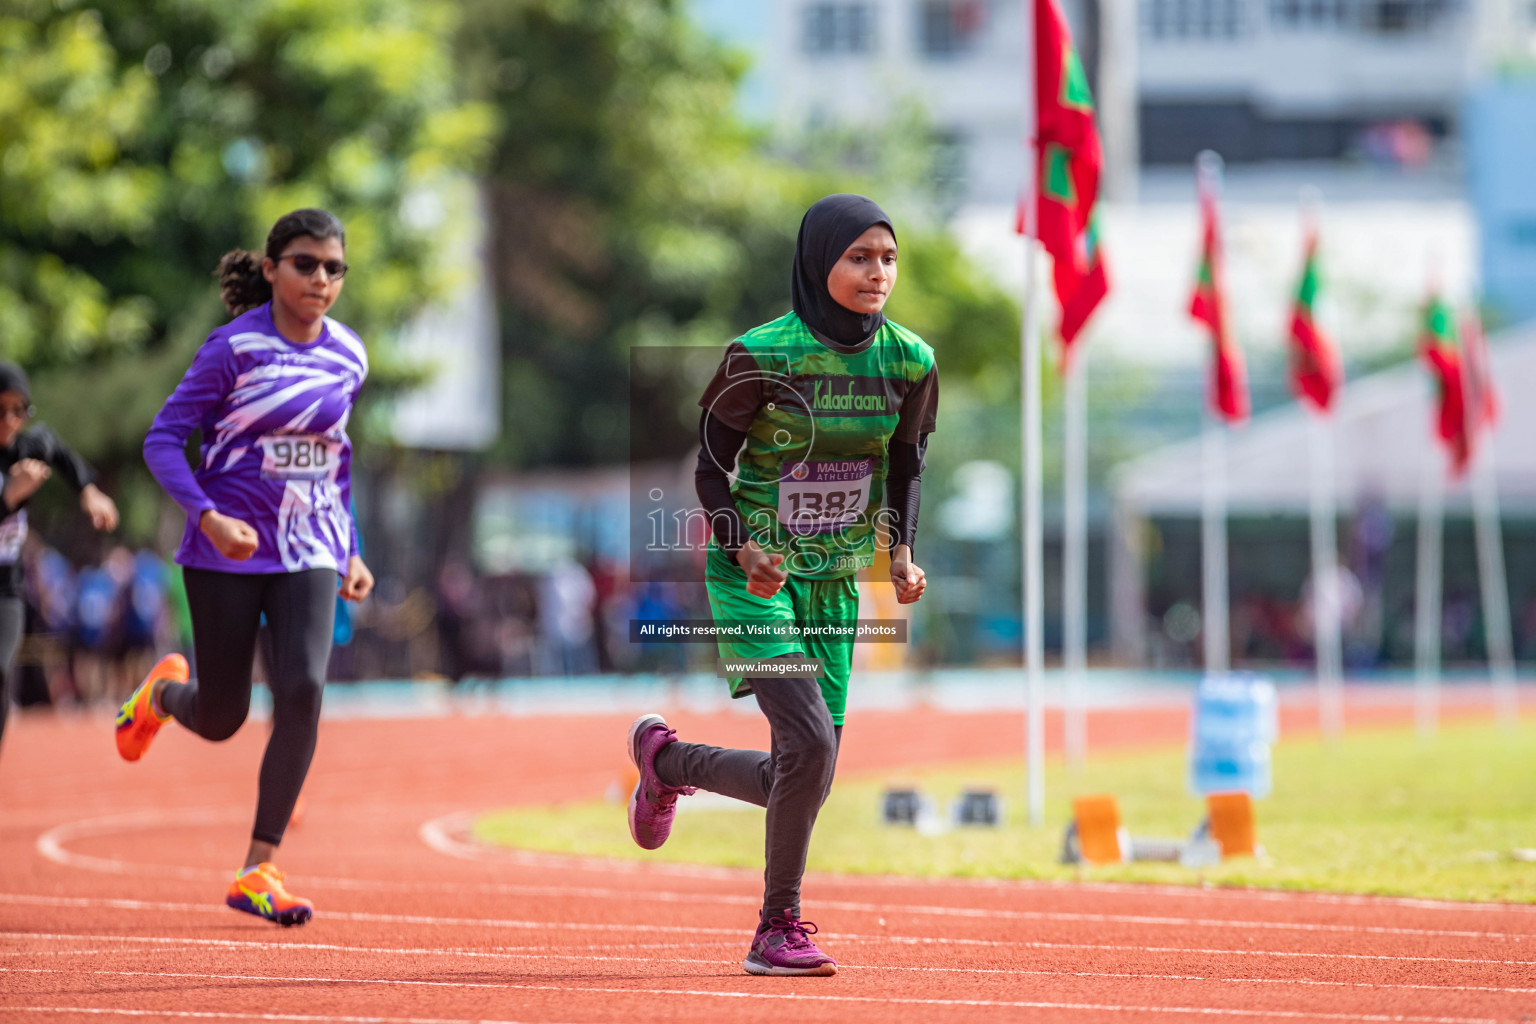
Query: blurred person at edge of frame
[{"x": 29, "y": 455}]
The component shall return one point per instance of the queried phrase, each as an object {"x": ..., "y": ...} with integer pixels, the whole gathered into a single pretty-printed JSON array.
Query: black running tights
[
  {"x": 226, "y": 614},
  {"x": 791, "y": 779},
  {"x": 12, "y": 618}
]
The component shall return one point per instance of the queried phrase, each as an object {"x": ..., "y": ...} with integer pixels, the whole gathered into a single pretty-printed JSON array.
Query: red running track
[{"x": 111, "y": 902}]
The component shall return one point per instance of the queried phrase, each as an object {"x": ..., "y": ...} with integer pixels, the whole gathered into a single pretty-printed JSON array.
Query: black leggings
[
  {"x": 226, "y": 614},
  {"x": 791, "y": 779},
  {"x": 12, "y": 618}
]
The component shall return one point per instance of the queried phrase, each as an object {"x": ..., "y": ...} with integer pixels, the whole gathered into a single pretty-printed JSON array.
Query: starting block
[
  {"x": 978, "y": 805},
  {"x": 1096, "y": 835},
  {"x": 903, "y": 805},
  {"x": 1229, "y": 824}
]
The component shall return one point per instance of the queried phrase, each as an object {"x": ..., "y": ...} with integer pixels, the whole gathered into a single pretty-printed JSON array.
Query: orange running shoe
[
  {"x": 259, "y": 890},
  {"x": 138, "y": 721}
]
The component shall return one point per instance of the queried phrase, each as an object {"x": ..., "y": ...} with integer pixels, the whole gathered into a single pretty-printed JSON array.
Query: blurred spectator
[
  {"x": 143, "y": 612},
  {"x": 606, "y": 583},
  {"x": 50, "y": 594},
  {"x": 567, "y": 600},
  {"x": 654, "y": 601},
  {"x": 458, "y": 602},
  {"x": 97, "y": 636}
]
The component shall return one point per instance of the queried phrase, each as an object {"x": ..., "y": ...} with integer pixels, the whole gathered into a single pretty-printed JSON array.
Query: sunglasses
[
  {"x": 306, "y": 265},
  {"x": 15, "y": 412}
]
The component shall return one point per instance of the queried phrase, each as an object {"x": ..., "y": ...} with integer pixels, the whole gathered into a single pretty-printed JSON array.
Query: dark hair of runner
[{"x": 241, "y": 284}]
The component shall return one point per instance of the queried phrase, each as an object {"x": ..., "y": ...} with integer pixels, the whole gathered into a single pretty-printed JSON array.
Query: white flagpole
[
  {"x": 1030, "y": 478},
  {"x": 1325, "y": 580},
  {"x": 1426, "y": 630},
  {"x": 1074, "y": 565},
  {"x": 1490, "y": 563},
  {"x": 1213, "y": 504},
  {"x": 1213, "y": 546}
]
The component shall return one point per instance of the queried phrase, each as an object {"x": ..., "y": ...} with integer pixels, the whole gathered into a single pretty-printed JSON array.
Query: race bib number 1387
[
  {"x": 298, "y": 456},
  {"x": 819, "y": 497}
]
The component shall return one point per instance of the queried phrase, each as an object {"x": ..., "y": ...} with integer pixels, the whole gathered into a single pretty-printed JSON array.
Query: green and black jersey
[{"x": 810, "y": 479}]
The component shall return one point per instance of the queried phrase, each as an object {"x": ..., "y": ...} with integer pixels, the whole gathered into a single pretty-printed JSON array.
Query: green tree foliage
[
  {"x": 631, "y": 206},
  {"x": 141, "y": 139}
]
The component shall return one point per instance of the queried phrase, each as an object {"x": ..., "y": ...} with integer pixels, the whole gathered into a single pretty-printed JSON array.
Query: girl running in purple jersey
[{"x": 269, "y": 526}]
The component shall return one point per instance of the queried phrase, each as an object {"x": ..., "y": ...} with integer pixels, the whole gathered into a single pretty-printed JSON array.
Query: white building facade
[{"x": 1258, "y": 80}]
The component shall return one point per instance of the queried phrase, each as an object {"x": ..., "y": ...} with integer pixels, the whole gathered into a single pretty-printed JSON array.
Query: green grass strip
[{"x": 1382, "y": 812}]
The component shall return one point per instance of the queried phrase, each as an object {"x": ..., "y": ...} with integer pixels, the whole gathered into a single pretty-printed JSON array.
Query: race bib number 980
[
  {"x": 819, "y": 497},
  {"x": 298, "y": 456}
]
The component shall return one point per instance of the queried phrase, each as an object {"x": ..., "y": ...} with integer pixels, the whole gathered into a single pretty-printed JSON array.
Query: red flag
[
  {"x": 1229, "y": 386},
  {"x": 1315, "y": 370},
  {"x": 1069, "y": 158},
  {"x": 1437, "y": 344}
]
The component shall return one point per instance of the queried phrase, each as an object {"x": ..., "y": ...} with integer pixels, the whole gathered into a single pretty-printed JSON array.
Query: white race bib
[
  {"x": 13, "y": 533},
  {"x": 298, "y": 456},
  {"x": 819, "y": 497}
]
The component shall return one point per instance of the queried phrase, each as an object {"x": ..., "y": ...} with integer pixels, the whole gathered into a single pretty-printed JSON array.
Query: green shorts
[{"x": 800, "y": 601}]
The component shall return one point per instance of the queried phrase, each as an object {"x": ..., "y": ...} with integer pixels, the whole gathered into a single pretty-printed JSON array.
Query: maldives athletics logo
[{"x": 799, "y": 471}]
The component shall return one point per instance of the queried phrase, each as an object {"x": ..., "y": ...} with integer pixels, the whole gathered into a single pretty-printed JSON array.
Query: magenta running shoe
[
  {"x": 783, "y": 947},
  {"x": 653, "y": 804}
]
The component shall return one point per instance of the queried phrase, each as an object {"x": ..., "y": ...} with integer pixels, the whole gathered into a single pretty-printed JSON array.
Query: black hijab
[
  {"x": 14, "y": 378},
  {"x": 826, "y": 232}
]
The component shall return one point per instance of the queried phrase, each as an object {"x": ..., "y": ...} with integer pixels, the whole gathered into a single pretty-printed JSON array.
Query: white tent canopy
[{"x": 1383, "y": 432}]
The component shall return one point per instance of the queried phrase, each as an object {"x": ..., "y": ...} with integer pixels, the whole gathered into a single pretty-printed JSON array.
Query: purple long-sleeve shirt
[{"x": 275, "y": 451}]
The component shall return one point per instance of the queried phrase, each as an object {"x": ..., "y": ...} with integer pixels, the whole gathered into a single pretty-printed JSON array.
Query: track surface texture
[{"x": 111, "y": 901}]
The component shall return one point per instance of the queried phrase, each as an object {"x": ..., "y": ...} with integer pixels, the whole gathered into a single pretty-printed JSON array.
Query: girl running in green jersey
[{"x": 824, "y": 416}]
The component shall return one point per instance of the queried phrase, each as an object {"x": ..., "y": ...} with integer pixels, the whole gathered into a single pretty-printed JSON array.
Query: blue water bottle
[{"x": 1234, "y": 724}]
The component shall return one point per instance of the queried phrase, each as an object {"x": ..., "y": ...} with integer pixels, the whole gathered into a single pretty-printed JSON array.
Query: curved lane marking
[
  {"x": 441, "y": 834},
  {"x": 51, "y": 844}
]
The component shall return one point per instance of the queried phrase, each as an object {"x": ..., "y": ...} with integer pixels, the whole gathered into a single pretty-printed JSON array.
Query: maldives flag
[
  {"x": 1315, "y": 370},
  {"x": 1437, "y": 344},
  {"x": 1069, "y": 160},
  {"x": 1229, "y": 384}
]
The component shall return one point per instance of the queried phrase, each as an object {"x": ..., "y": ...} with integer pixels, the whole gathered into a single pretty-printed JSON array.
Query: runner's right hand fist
[
  {"x": 23, "y": 480},
  {"x": 764, "y": 577},
  {"x": 234, "y": 538}
]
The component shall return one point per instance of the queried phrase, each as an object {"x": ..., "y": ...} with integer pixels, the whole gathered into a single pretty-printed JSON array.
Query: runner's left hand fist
[
  {"x": 101, "y": 509},
  {"x": 358, "y": 582},
  {"x": 910, "y": 580}
]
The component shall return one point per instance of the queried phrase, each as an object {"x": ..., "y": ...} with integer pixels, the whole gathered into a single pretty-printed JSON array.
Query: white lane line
[
  {"x": 343, "y": 915},
  {"x": 514, "y": 953},
  {"x": 61, "y": 952},
  {"x": 51, "y": 845},
  {"x": 315, "y": 1018},
  {"x": 441, "y": 835},
  {"x": 882, "y": 910},
  {"x": 736, "y": 933},
  {"x": 796, "y": 996}
]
